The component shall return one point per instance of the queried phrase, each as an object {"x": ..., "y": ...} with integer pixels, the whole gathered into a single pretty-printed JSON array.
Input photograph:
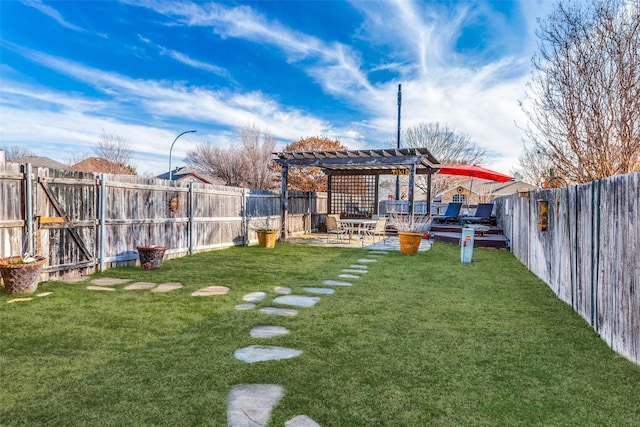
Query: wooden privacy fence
[
  {"x": 588, "y": 254},
  {"x": 81, "y": 221}
]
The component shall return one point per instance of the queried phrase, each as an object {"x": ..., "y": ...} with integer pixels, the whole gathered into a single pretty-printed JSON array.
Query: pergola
[{"x": 354, "y": 176}]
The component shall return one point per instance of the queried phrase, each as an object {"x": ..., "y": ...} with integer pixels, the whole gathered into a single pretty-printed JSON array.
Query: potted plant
[
  {"x": 267, "y": 235},
  {"x": 411, "y": 230},
  {"x": 20, "y": 274}
]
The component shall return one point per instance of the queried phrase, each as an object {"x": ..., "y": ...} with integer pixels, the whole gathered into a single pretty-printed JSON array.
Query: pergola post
[
  {"x": 412, "y": 180},
  {"x": 284, "y": 203}
]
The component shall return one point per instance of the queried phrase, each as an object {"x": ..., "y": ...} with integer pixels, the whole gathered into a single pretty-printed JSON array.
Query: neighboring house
[
  {"x": 188, "y": 174},
  {"x": 100, "y": 165},
  {"x": 472, "y": 192},
  {"x": 41, "y": 162}
]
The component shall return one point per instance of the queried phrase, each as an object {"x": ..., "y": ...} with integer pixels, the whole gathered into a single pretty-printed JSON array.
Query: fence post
[
  {"x": 191, "y": 217},
  {"x": 102, "y": 218},
  {"x": 245, "y": 221},
  {"x": 29, "y": 210}
]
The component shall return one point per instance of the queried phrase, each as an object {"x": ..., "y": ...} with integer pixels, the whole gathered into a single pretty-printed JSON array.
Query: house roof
[
  {"x": 41, "y": 162},
  {"x": 100, "y": 165},
  {"x": 182, "y": 173}
]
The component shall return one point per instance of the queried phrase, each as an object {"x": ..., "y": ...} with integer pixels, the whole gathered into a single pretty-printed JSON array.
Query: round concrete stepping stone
[
  {"x": 140, "y": 285},
  {"x": 263, "y": 353},
  {"x": 210, "y": 290},
  {"x": 106, "y": 281},
  {"x": 336, "y": 283},
  {"x": 297, "y": 300},
  {"x": 75, "y": 279},
  {"x": 44, "y": 294},
  {"x": 287, "y": 312},
  {"x": 367, "y": 260},
  {"x": 321, "y": 291},
  {"x": 246, "y": 306},
  {"x": 254, "y": 296},
  {"x": 301, "y": 421},
  {"x": 268, "y": 331},
  {"x": 348, "y": 276},
  {"x": 359, "y": 266},
  {"x": 353, "y": 270},
  {"x": 167, "y": 287},
  {"x": 99, "y": 288},
  {"x": 282, "y": 290},
  {"x": 11, "y": 301},
  {"x": 250, "y": 405}
]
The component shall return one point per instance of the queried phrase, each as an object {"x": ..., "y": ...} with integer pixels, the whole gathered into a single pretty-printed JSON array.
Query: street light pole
[{"x": 171, "y": 149}]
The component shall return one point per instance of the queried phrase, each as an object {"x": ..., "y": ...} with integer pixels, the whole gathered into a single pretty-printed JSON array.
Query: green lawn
[{"x": 418, "y": 341}]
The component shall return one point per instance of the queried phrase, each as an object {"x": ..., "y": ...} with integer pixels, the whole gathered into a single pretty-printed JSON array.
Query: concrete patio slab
[
  {"x": 250, "y": 405},
  {"x": 301, "y": 421},
  {"x": 261, "y": 353},
  {"x": 287, "y": 312},
  {"x": 297, "y": 300},
  {"x": 140, "y": 285},
  {"x": 254, "y": 296},
  {"x": 268, "y": 331},
  {"x": 107, "y": 281},
  {"x": 336, "y": 283},
  {"x": 321, "y": 291}
]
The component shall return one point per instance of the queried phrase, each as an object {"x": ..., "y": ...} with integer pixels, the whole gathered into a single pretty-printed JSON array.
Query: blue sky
[{"x": 151, "y": 69}]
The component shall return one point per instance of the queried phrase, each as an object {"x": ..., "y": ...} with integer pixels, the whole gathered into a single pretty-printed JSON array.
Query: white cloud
[{"x": 52, "y": 13}]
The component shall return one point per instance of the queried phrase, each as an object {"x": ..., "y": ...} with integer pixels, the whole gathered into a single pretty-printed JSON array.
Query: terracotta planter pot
[
  {"x": 19, "y": 277},
  {"x": 151, "y": 256},
  {"x": 409, "y": 242},
  {"x": 267, "y": 239}
]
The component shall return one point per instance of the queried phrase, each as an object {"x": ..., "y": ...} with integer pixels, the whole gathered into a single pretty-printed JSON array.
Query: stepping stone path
[
  {"x": 100, "y": 288},
  {"x": 301, "y": 421},
  {"x": 287, "y": 312},
  {"x": 254, "y": 296},
  {"x": 268, "y": 331},
  {"x": 44, "y": 294},
  {"x": 11, "y": 301},
  {"x": 209, "y": 291},
  {"x": 323, "y": 291},
  {"x": 259, "y": 353},
  {"x": 250, "y": 405},
  {"x": 336, "y": 283},
  {"x": 297, "y": 301},
  {"x": 106, "y": 281},
  {"x": 140, "y": 285},
  {"x": 167, "y": 287}
]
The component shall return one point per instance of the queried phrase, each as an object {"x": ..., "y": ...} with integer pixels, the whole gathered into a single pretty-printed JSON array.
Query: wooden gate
[{"x": 65, "y": 210}]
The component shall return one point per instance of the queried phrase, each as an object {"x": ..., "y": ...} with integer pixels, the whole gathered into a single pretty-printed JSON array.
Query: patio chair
[
  {"x": 482, "y": 215},
  {"x": 450, "y": 215},
  {"x": 334, "y": 228},
  {"x": 380, "y": 228}
]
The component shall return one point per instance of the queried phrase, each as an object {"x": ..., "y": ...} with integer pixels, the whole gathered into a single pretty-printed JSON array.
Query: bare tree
[
  {"x": 534, "y": 166},
  {"x": 115, "y": 148},
  {"x": 16, "y": 152},
  {"x": 247, "y": 163},
  {"x": 448, "y": 146},
  {"x": 584, "y": 97}
]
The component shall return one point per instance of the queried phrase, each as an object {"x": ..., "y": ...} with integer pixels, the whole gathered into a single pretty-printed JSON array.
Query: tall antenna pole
[{"x": 399, "y": 106}]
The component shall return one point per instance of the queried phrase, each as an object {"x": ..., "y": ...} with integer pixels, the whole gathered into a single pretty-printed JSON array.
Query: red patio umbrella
[{"x": 474, "y": 172}]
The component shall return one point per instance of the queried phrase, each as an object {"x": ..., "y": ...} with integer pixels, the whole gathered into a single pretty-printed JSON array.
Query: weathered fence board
[{"x": 589, "y": 254}]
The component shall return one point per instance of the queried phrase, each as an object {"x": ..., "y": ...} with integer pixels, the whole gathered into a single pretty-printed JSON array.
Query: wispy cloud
[{"x": 52, "y": 13}]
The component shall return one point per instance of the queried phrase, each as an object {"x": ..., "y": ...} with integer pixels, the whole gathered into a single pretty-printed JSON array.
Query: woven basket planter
[
  {"x": 151, "y": 256},
  {"x": 20, "y": 277}
]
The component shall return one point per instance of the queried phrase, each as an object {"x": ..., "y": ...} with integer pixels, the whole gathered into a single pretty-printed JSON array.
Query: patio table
[{"x": 356, "y": 226}]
